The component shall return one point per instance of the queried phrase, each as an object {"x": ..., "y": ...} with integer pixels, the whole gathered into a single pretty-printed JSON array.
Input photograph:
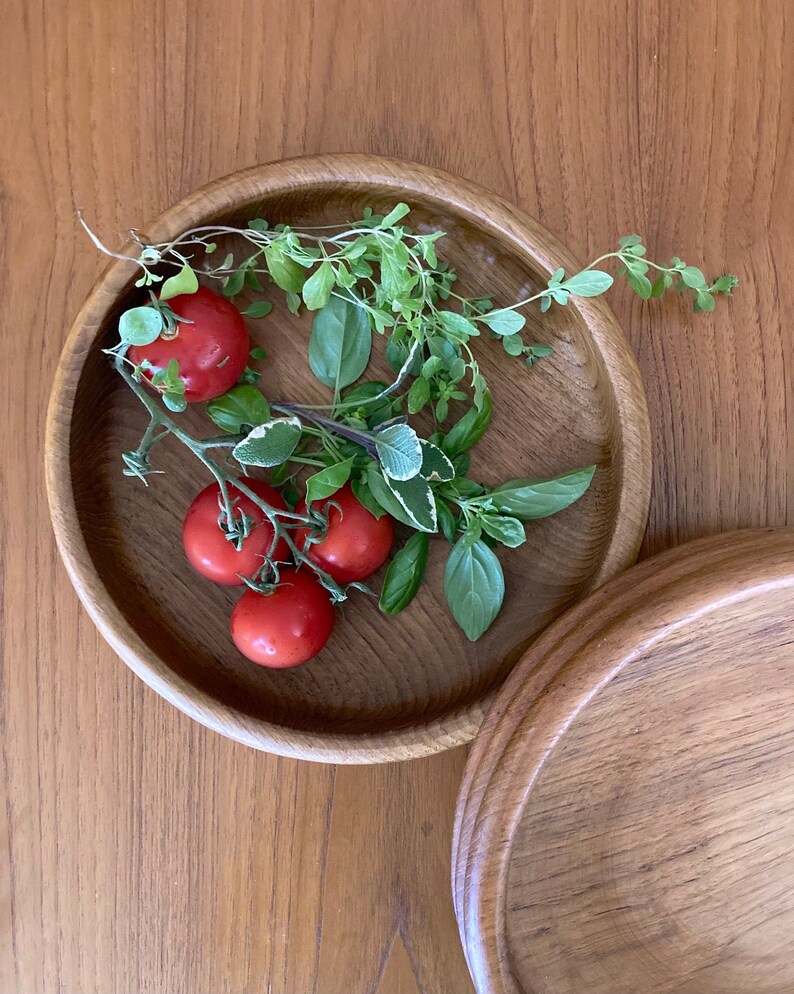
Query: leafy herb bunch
[{"x": 375, "y": 276}]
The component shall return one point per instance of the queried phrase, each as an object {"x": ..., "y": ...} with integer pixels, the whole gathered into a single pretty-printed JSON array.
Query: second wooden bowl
[{"x": 384, "y": 688}]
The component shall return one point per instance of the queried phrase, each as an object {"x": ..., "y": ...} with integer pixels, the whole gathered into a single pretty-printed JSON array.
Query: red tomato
[
  {"x": 206, "y": 545},
  {"x": 356, "y": 543},
  {"x": 286, "y": 627},
  {"x": 212, "y": 352}
]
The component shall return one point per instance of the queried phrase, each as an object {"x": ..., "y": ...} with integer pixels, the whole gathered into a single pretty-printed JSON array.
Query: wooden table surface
[{"x": 141, "y": 852}]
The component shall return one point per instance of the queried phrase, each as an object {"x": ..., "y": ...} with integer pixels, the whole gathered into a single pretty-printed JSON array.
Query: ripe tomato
[
  {"x": 286, "y": 627},
  {"x": 206, "y": 545},
  {"x": 356, "y": 543},
  {"x": 212, "y": 352}
]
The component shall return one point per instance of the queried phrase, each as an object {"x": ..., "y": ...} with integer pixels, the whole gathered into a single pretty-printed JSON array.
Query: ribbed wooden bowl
[
  {"x": 625, "y": 820},
  {"x": 383, "y": 689}
]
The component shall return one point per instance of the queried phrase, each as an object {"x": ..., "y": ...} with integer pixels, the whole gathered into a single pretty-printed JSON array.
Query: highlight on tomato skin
[
  {"x": 356, "y": 543},
  {"x": 208, "y": 549},
  {"x": 211, "y": 345},
  {"x": 286, "y": 627}
]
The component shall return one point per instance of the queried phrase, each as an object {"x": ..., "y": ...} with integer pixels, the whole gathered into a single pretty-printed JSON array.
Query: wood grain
[
  {"x": 145, "y": 854},
  {"x": 369, "y": 696},
  {"x": 624, "y": 821}
]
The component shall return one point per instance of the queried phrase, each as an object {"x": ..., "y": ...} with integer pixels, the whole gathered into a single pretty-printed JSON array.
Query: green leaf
[
  {"x": 693, "y": 278},
  {"x": 588, "y": 283},
  {"x": 259, "y": 309},
  {"x": 704, "y": 301},
  {"x": 474, "y": 585},
  {"x": 364, "y": 496},
  {"x": 528, "y": 499},
  {"x": 556, "y": 277},
  {"x": 328, "y": 481},
  {"x": 285, "y": 272},
  {"x": 509, "y": 531},
  {"x": 174, "y": 401},
  {"x": 242, "y": 405},
  {"x": 140, "y": 326},
  {"x": 258, "y": 353},
  {"x": 435, "y": 463},
  {"x": 457, "y": 327},
  {"x": 293, "y": 302},
  {"x": 317, "y": 288},
  {"x": 182, "y": 282},
  {"x": 629, "y": 241},
  {"x": 410, "y": 501},
  {"x": 405, "y": 575},
  {"x": 640, "y": 284},
  {"x": 234, "y": 283},
  {"x": 504, "y": 322},
  {"x": 399, "y": 451},
  {"x": 396, "y": 214},
  {"x": 724, "y": 284},
  {"x": 660, "y": 284},
  {"x": 270, "y": 443},
  {"x": 340, "y": 343},
  {"x": 447, "y": 521},
  {"x": 418, "y": 395},
  {"x": 470, "y": 429},
  {"x": 513, "y": 344}
]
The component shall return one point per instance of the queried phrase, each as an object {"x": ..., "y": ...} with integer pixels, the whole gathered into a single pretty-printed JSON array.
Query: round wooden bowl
[
  {"x": 384, "y": 688},
  {"x": 626, "y": 820}
]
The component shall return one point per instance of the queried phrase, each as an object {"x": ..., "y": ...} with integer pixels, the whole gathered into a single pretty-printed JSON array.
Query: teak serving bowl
[{"x": 384, "y": 688}]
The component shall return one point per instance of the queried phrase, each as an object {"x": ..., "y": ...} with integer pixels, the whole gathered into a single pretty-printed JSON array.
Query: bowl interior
[{"x": 377, "y": 674}]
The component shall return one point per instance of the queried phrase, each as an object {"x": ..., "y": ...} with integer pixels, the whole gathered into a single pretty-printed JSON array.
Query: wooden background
[{"x": 140, "y": 852}]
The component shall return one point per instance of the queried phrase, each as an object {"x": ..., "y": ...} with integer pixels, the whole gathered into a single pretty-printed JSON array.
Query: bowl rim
[
  {"x": 489, "y": 211},
  {"x": 572, "y": 660}
]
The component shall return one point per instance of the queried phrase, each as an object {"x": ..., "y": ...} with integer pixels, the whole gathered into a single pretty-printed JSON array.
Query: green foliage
[
  {"x": 269, "y": 444},
  {"x": 376, "y": 275},
  {"x": 405, "y": 575},
  {"x": 340, "y": 344},
  {"x": 243, "y": 405},
  {"x": 474, "y": 584}
]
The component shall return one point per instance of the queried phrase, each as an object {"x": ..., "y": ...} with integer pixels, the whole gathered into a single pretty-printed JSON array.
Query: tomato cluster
[{"x": 291, "y": 624}]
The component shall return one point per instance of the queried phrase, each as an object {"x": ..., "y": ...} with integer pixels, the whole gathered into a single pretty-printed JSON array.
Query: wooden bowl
[
  {"x": 383, "y": 688},
  {"x": 625, "y": 822}
]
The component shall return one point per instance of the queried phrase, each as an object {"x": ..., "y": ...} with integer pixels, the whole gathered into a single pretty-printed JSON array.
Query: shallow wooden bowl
[
  {"x": 383, "y": 688},
  {"x": 626, "y": 820}
]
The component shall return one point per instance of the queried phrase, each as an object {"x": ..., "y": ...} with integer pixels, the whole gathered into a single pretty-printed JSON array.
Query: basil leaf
[
  {"x": 270, "y": 443},
  {"x": 317, "y": 288},
  {"x": 588, "y": 283},
  {"x": 140, "y": 326},
  {"x": 447, "y": 521},
  {"x": 328, "y": 481},
  {"x": 410, "y": 501},
  {"x": 508, "y": 531},
  {"x": 435, "y": 464},
  {"x": 183, "y": 282},
  {"x": 405, "y": 575},
  {"x": 470, "y": 429},
  {"x": 474, "y": 585},
  {"x": 504, "y": 322},
  {"x": 340, "y": 343},
  {"x": 242, "y": 405},
  {"x": 528, "y": 499},
  {"x": 399, "y": 451},
  {"x": 364, "y": 496},
  {"x": 285, "y": 272}
]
